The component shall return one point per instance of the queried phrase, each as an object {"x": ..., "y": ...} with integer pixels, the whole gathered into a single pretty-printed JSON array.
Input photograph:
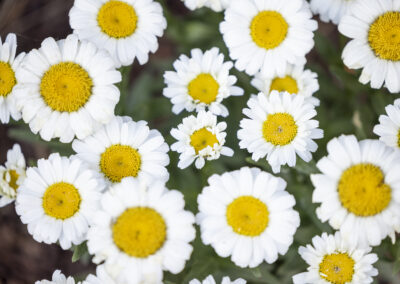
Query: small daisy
[
  {"x": 278, "y": 127},
  {"x": 225, "y": 280},
  {"x": 201, "y": 82},
  {"x": 58, "y": 200},
  {"x": 101, "y": 277},
  {"x": 200, "y": 138},
  {"x": 125, "y": 148},
  {"x": 266, "y": 35},
  {"x": 374, "y": 27},
  {"x": 127, "y": 29},
  {"x": 359, "y": 189},
  {"x": 12, "y": 175},
  {"x": 9, "y": 64},
  {"x": 215, "y": 5},
  {"x": 296, "y": 80},
  {"x": 333, "y": 259},
  {"x": 141, "y": 231},
  {"x": 57, "y": 278},
  {"x": 66, "y": 89},
  {"x": 388, "y": 128},
  {"x": 330, "y": 10},
  {"x": 248, "y": 215}
]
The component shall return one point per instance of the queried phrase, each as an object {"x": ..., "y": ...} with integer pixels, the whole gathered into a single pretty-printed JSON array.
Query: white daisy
[
  {"x": 388, "y": 128},
  {"x": 9, "y": 64},
  {"x": 162, "y": 230},
  {"x": 200, "y": 138},
  {"x": 127, "y": 29},
  {"x": 12, "y": 175},
  {"x": 278, "y": 127},
  {"x": 216, "y": 5},
  {"x": 266, "y": 35},
  {"x": 295, "y": 80},
  {"x": 330, "y": 10},
  {"x": 333, "y": 259},
  {"x": 225, "y": 280},
  {"x": 374, "y": 27},
  {"x": 359, "y": 189},
  {"x": 248, "y": 215},
  {"x": 101, "y": 277},
  {"x": 201, "y": 82},
  {"x": 125, "y": 148},
  {"x": 57, "y": 278},
  {"x": 58, "y": 200}
]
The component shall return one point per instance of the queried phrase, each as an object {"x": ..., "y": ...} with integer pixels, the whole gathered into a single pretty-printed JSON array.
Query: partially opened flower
[
  {"x": 388, "y": 128},
  {"x": 331, "y": 10},
  {"x": 211, "y": 280},
  {"x": 57, "y": 278}
]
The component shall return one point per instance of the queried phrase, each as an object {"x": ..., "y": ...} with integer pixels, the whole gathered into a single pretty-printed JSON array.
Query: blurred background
[{"x": 346, "y": 107}]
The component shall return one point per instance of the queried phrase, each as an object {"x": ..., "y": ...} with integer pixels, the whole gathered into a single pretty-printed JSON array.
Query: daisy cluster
[{"x": 111, "y": 195}]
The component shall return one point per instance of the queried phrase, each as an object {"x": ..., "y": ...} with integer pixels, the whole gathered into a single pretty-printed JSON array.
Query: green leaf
[{"x": 79, "y": 251}]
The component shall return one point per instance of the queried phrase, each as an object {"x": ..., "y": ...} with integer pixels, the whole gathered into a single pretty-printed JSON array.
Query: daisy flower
[
  {"x": 101, "y": 277},
  {"x": 278, "y": 127},
  {"x": 215, "y": 5},
  {"x": 125, "y": 148},
  {"x": 295, "y": 80},
  {"x": 374, "y": 27},
  {"x": 388, "y": 128},
  {"x": 248, "y": 215},
  {"x": 12, "y": 175},
  {"x": 200, "y": 138},
  {"x": 225, "y": 280},
  {"x": 9, "y": 64},
  {"x": 57, "y": 278},
  {"x": 127, "y": 29},
  {"x": 334, "y": 259},
  {"x": 66, "y": 89},
  {"x": 201, "y": 82},
  {"x": 330, "y": 10},
  {"x": 359, "y": 189},
  {"x": 266, "y": 35},
  {"x": 141, "y": 231},
  {"x": 58, "y": 200}
]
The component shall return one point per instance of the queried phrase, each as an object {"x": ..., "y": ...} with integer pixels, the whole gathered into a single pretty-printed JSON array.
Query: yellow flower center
[
  {"x": 279, "y": 129},
  {"x": 384, "y": 36},
  {"x": 61, "y": 200},
  {"x": 268, "y": 29},
  {"x": 362, "y": 190},
  {"x": 337, "y": 268},
  {"x": 7, "y": 79},
  {"x": 120, "y": 161},
  {"x": 117, "y": 19},
  {"x": 13, "y": 179},
  {"x": 66, "y": 87},
  {"x": 398, "y": 138},
  {"x": 139, "y": 231},
  {"x": 287, "y": 83},
  {"x": 247, "y": 216},
  {"x": 203, "y": 88},
  {"x": 202, "y": 138}
]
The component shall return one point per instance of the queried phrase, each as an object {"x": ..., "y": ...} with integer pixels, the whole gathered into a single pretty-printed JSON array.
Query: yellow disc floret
[
  {"x": 203, "y": 88},
  {"x": 362, "y": 190},
  {"x": 268, "y": 29},
  {"x": 337, "y": 268},
  {"x": 13, "y": 179},
  {"x": 247, "y": 216},
  {"x": 279, "y": 129},
  {"x": 61, "y": 200},
  {"x": 285, "y": 84},
  {"x": 66, "y": 87},
  {"x": 117, "y": 19},
  {"x": 7, "y": 79},
  {"x": 384, "y": 36},
  {"x": 120, "y": 161},
  {"x": 139, "y": 231},
  {"x": 202, "y": 138},
  {"x": 398, "y": 138}
]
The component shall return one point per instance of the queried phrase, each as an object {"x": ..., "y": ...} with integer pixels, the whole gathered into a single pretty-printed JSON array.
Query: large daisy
[
  {"x": 388, "y": 128},
  {"x": 374, "y": 27},
  {"x": 330, "y": 10},
  {"x": 66, "y": 89},
  {"x": 334, "y": 259},
  {"x": 125, "y": 148},
  {"x": 12, "y": 175},
  {"x": 359, "y": 189},
  {"x": 225, "y": 280},
  {"x": 278, "y": 127},
  {"x": 141, "y": 231},
  {"x": 248, "y": 215},
  {"x": 216, "y": 5},
  {"x": 58, "y": 200},
  {"x": 201, "y": 82},
  {"x": 127, "y": 29},
  {"x": 200, "y": 138},
  {"x": 266, "y": 35}
]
